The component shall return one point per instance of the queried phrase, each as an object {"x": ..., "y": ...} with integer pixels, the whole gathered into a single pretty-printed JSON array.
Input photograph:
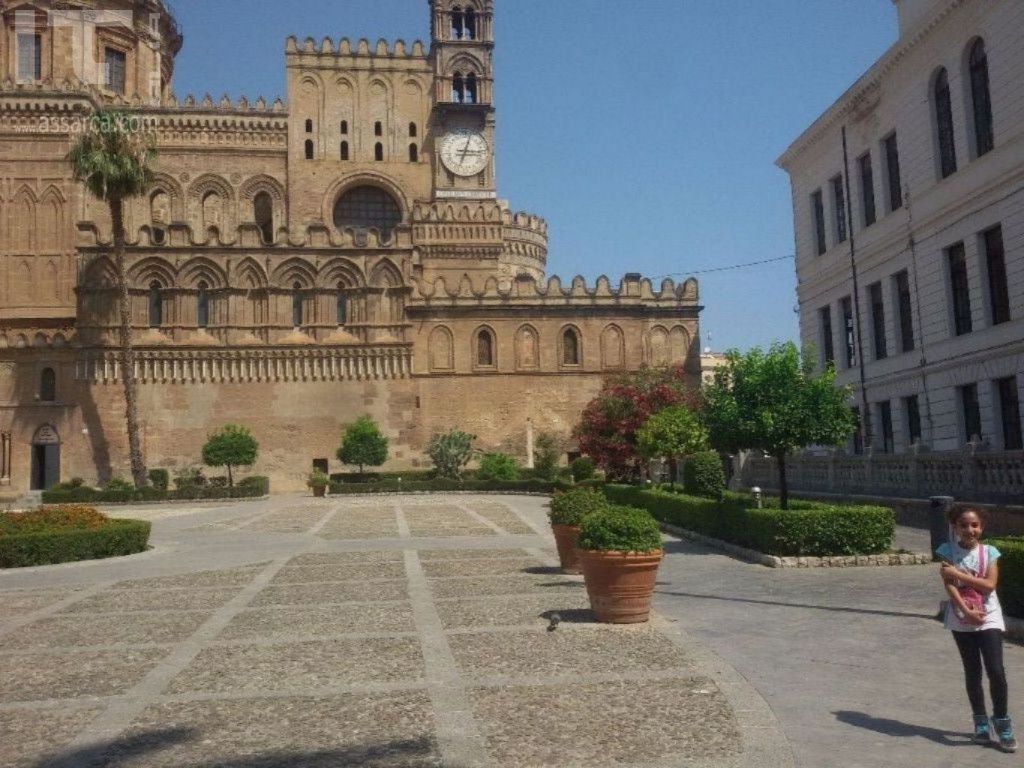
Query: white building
[{"x": 935, "y": 186}]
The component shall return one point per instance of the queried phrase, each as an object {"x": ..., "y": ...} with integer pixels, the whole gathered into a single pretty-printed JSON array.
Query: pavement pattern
[{"x": 389, "y": 632}]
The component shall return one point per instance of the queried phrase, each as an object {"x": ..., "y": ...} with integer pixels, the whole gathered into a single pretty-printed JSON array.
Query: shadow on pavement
[
  {"x": 409, "y": 753},
  {"x": 897, "y": 728},
  {"x": 832, "y": 608},
  {"x": 543, "y": 570},
  {"x": 571, "y": 616}
]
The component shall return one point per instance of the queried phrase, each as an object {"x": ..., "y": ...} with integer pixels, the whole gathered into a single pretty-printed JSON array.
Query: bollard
[
  {"x": 938, "y": 523},
  {"x": 757, "y": 496}
]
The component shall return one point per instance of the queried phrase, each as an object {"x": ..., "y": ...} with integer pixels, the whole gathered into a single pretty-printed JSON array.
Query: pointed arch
[
  {"x": 527, "y": 347},
  {"x": 201, "y": 269},
  {"x": 340, "y": 272},
  {"x": 51, "y": 281},
  {"x": 658, "y": 346},
  {"x": 100, "y": 274},
  {"x": 164, "y": 182},
  {"x": 23, "y": 220},
  {"x": 154, "y": 268},
  {"x": 386, "y": 275},
  {"x": 249, "y": 274},
  {"x": 50, "y": 220},
  {"x": 485, "y": 348},
  {"x": 679, "y": 345},
  {"x": 570, "y": 347},
  {"x": 294, "y": 270},
  {"x": 441, "y": 349},
  {"x": 22, "y": 284},
  {"x": 613, "y": 348}
]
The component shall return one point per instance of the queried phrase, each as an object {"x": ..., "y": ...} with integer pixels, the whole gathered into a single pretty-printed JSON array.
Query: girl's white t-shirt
[{"x": 967, "y": 560}]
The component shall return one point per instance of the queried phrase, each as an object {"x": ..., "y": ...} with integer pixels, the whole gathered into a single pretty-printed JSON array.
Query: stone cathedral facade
[{"x": 295, "y": 265}]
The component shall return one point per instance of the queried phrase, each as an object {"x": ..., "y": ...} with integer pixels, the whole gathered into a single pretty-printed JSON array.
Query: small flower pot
[
  {"x": 319, "y": 491},
  {"x": 620, "y": 584},
  {"x": 565, "y": 540}
]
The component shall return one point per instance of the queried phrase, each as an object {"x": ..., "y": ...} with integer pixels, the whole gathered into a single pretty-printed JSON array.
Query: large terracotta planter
[
  {"x": 319, "y": 491},
  {"x": 620, "y": 585},
  {"x": 565, "y": 540}
]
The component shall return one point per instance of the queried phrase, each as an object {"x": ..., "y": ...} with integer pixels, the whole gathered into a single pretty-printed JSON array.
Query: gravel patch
[
  {"x": 503, "y": 585},
  {"x": 28, "y": 736},
  {"x": 65, "y": 631},
  {"x": 345, "y": 558},
  {"x": 315, "y": 620},
  {"x": 298, "y": 574},
  {"x": 481, "y": 567},
  {"x": 233, "y": 577},
  {"x": 470, "y": 554},
  {"x": 181, "y": 599},
  {"x": 15, "y": 603},
  {"x": 513, "y": 611},
  {"x": 332, "y": 592},
  {"x": 31, "y": 677}
]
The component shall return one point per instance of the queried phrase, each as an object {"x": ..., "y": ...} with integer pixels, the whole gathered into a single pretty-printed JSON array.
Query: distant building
[
  {"x": 935, "y": 180},
  {"x": 709, "y": 363}
]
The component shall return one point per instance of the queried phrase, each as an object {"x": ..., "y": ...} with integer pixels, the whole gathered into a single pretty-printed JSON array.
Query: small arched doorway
[{"x": 45, "y": 458}]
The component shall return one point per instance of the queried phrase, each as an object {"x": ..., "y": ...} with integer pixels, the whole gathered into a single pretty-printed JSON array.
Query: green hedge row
[
  {"x": 1011, "y": 575},
  {"x": 113, "y": 539},
  {"x": 249, "y": 488},
  {"x": 415, "y": 486},
  {"x": 812, "y": 529}
]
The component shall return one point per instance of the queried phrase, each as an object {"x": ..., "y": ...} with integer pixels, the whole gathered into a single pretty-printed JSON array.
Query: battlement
[
  {"x": 484, "y": 212},
  {"x": 382, "y": 50},
  {"x": 524, "y": 289}
]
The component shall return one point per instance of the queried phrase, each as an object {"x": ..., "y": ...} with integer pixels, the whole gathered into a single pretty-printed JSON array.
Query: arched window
[
  {"x": 981, "y": 99},
  {"x": 367, "y": 207},
  {"x": 296, "y": 305},
  {"x": 378, "y": 152},
  {"x": 203, "y": 306},
  {"x": 48, "y": 385},
  {"x": 309, "y": 126},
  {"x": 342, "y": 306},
  {"x": 344, "y": 150},
  {"x": 156, "y": 306},
  {"x": 470, "y": 89},
  {"x": 378, "y": 128},
  {"x": 412, "y": 130},
  {"x": 944, "y": 124},
  {"x": 212, "y": 208},
  {"x": 263, "y": 212},
  {"x": 414, "y": 153},
  {"x": 484, "y": 348},
  {"x": 309, "y": 149},
  {"x": 570, "y": 347},
  {"x": 160, "y": 207},
  {"x": 458, "y": 88},
  {"x": 344, "y": 127},
  {"x": 457, "y": 23},
  {"x": 469, "y": 25}
]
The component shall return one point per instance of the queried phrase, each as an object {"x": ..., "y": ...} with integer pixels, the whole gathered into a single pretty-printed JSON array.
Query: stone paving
[{"x": 388, "y": 632}]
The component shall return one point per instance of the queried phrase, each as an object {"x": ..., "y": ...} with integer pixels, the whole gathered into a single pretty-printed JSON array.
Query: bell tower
[{"x": 462, "y": 53}]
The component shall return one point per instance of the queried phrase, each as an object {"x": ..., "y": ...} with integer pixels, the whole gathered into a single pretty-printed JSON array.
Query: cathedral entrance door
[{"x": 45, "y": 459}]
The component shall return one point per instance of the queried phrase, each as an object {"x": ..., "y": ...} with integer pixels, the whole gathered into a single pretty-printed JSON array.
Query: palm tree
[{"x": 113, "y": 159}]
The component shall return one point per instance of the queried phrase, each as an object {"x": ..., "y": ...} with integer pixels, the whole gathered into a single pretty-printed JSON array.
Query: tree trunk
[
  {"x": 231, "y": 482},
  {"x": 127, "y": 351},
  {"x": 673, "y": 465},
  {"x": 780, "y": 459}
]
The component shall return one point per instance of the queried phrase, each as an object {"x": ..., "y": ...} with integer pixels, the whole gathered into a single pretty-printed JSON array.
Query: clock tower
[{"x": 462, "y": 55}]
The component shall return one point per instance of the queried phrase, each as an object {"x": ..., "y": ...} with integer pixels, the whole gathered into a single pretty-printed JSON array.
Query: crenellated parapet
[{"x": 344, "y": 50}]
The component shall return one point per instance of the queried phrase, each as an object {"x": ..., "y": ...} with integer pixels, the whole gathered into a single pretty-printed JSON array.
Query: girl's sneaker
[
  {"x": 1004, "y": 730},
  {"x": 981, "y": 730}
]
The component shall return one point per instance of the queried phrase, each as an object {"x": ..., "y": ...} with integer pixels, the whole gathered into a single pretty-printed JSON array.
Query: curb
[{"x": 773, "y": 561}]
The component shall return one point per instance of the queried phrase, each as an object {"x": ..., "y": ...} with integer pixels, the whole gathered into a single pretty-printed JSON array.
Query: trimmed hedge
[
  {"x": 703, "y": 475},
  {"x": 571, "y": 507},
  {"x": 1011, "y": 575},
  {"x": 619, "y": 529},
  {"x": 247, "y": 488},
  {"x": 61, "y": 535},
  {"x": 440, "y": 485},
  {"x": 381, "y": 477},
  {"x": 810, "y": 529}
]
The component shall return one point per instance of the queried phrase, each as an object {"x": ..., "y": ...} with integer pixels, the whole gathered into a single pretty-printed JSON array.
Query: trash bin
[{"x": 938, "y": 523}]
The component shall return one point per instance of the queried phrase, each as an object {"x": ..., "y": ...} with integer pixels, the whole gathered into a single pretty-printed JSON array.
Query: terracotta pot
[
  {"x": 620, "y": 585},
  {"x": 319, "y": 491},
  {"x": 565, "y": 540}
]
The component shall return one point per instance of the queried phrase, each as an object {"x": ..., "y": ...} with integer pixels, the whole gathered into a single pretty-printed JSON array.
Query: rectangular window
[
  {"x": 878, "y": 321},
  {"x": 892, "y": 169},
  {"x": 818, "y": 211},
  {"x": 114, "y": 66},
  {"x": 885, "y": 424},
  {"x": 913, "y": 413},
  {"x": 858, "y": 434},
  {"x": 902, "y": 280},
  {"x": 848, "y": 339},
  {"x": 839, "y": 199},
  {"x": 995, "y": 263},
  {"x": 960, "y": 288},
  {"x": 971, "y": 412},
  {"x": 867, "y": 189},
  {"x": 827, "y": 348},
  {"x": 30, "y": 57},
  {"x": 1009, "y": 413}
]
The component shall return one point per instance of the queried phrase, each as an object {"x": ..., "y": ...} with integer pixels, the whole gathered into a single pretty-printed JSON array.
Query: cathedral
[{"x": 295, "y": 265}]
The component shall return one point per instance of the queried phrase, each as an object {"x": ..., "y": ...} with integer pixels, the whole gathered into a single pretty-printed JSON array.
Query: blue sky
[{"x": 644, "y": 132}]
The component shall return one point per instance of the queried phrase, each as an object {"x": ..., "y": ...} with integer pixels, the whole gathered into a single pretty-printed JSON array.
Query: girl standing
[{"x": 970, "y": 572}]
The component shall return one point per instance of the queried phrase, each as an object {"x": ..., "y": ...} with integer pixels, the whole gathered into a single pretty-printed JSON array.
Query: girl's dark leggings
[{"x": 974, "y": 647}]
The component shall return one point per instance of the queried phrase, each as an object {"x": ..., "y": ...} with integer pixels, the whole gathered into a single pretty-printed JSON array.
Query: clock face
[{"x": 465, "y": 153}]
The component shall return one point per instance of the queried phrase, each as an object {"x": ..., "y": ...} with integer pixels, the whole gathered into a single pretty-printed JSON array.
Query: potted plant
[
  {"x": 567, "y": 511},
  {"x": 318, "y": 481},
  {"x": 620, "y": 551}
]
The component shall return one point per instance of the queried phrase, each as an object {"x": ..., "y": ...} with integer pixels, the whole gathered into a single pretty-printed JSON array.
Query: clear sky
[{"x": 645, "y": 132}]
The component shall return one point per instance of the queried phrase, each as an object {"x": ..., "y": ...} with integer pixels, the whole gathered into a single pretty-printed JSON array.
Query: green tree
[
  {"x": 772, "y": 402},
  {"x": 113, "y": 158},
  {"x": 363, "y": 444},
  {"x": 545, "y": 456},
  {"x": 498, "y": 466},
  {"x": 233, "y": 446},
  {"x": 671, "y": 433},
  {"x": 450, "y": 453}
]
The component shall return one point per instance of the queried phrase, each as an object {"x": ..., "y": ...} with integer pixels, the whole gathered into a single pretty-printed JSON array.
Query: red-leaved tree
[{"x": 607, "y": 429}]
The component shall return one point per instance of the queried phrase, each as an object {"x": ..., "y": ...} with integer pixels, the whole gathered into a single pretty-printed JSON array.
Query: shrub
[
  {"x": 703, "y": 475},
  {"x": 545, "y": 456},
  {"x": 70, "y": 485},
  {"x": 189, "y": 477},
  {"x": 620, "y": 529},
  {"x": 1011, "y": 575},
  {"x": 218, "y": 482},
  {"x": 233, "y": 446},
  {"x": 382, "y": 477},
  {"x": 160, "y": 478},
  {"x": 255, "y": 485},
  {"x": 318, "y": 479},
  {"x": 450, "y": 453},
  {"x": 571, "y": 507},
  {"x": 363, "y": 444},
  {"x": 582, "y": 468},
  {"x": 442, "y": 484},
  {"x": 809, "y": 529},
  {"x": 73, "y": 516},
  {"x": 498, "y": 466},
  {"x": 62, "y": 534},
  {"x": 118, "y": 484}
]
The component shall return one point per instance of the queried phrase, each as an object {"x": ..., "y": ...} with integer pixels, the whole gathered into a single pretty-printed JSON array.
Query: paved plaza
[{"x": 388, "y": 631}]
